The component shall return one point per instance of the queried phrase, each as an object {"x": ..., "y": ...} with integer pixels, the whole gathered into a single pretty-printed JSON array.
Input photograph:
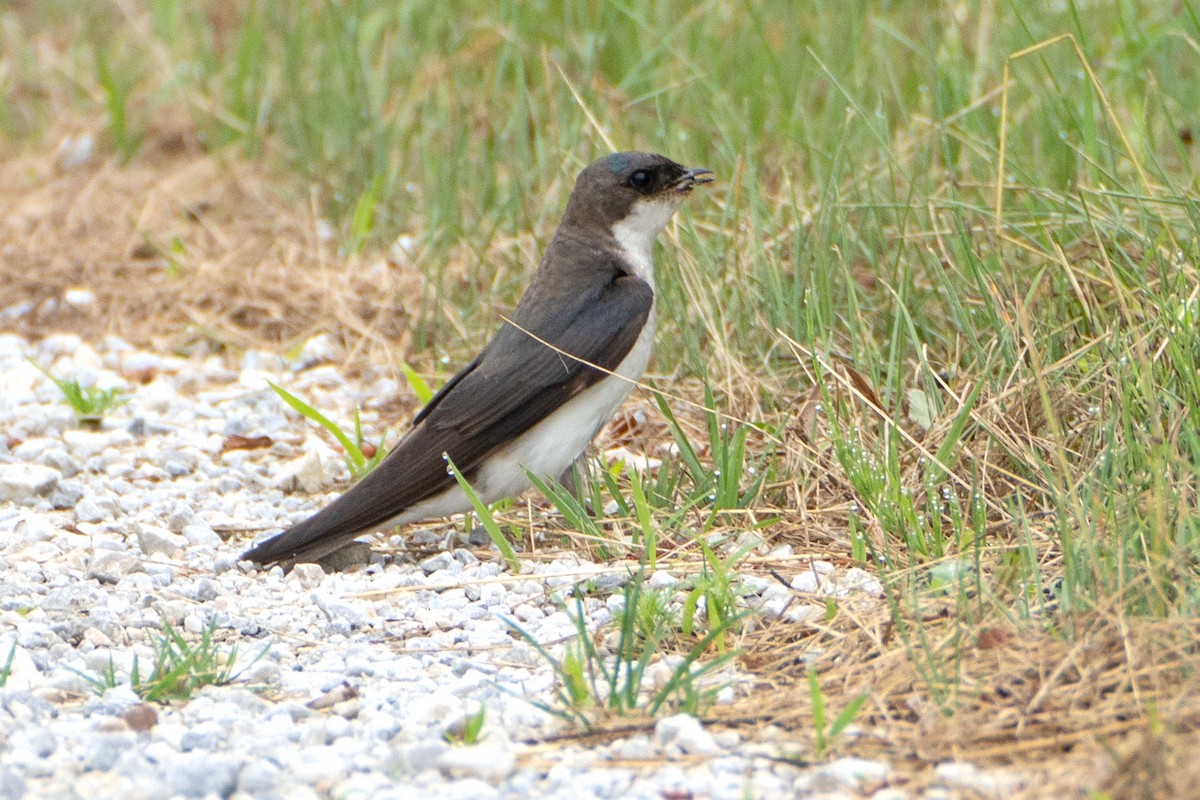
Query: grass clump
[
  {"x": 826, "y": 731},
  {"x": 470, "y": 730},
  {"x": 599, "y": 681},
  {"x": 180, "y": 668},
  {"x": 90, "y": 403},
  {"x": 678, "y": 502}
]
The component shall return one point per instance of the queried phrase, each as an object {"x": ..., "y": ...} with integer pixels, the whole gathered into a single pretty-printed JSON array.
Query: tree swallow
[{"x": 521, "y": 405}]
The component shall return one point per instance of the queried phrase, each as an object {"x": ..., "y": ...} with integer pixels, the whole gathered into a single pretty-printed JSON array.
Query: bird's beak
[{"x": 697, "y": 176}]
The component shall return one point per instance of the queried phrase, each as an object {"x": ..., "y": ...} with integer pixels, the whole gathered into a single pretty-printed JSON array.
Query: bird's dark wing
[
  {"x": 514, "y": 383},
  {"x": 519, "y": 381}
]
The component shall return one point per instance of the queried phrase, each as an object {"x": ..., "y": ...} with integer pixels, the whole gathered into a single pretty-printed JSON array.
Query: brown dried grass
[
  {"x": 1069, "y": 711},
  {"x": 181, "y": 246}
]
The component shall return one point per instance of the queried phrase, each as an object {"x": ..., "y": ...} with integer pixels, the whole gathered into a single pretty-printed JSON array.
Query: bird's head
[{"x": 637, "y": 191}]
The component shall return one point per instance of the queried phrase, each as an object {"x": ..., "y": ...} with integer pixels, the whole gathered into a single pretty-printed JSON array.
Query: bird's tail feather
[{"x": 306, "y": 541}]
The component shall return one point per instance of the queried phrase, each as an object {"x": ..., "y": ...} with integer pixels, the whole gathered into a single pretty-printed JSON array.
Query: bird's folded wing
[{"x": 529, "y": 370}]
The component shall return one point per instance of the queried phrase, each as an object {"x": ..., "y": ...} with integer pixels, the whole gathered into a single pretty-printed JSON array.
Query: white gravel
[{"x": 347, "y": 681}]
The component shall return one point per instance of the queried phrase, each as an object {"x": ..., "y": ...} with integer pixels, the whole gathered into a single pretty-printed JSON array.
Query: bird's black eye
[{"x": 639, "y": 179}]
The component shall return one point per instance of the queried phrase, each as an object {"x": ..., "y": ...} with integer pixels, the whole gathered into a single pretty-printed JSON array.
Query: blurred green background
[{"x": 844, "y": 132}]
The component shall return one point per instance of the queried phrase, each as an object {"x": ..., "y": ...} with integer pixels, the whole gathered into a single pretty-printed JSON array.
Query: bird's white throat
[{"x": 636, "y": 233}]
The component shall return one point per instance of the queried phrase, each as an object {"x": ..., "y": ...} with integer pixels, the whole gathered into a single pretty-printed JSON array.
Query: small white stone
[
  {"x": 34, "y": 527},
  {"x": 79, "y": 298},
  {"x": 858, "y": 579},
  {"x": 317, "y": 764},
  {"x": 43, "y": 552},
  {"x": 405, "y": 245},
  {"x": 728, "y": 738},
  {"x": 488, "y": 762},
  {"x": 891, "y": 793},
  {"x": 309, "y": 576},
  {"x": 851, "y": 773},
  {"x": 153, "y": 539},
  {"x": 136, "y": 361},
  {"x": 85, "y": 444},
  {"x": 23, "y": 674},
  {"x": 813, "y": 578},
  {"x": 683, "y": 734},
  {"x": 21, "y": 483},
  {"x": 259, "y": 778},
  {"x": 96, "y": 638},
  {"x": 438, "y": 561},
  {"x": 320, "y": 349},
  {"x": 33, "y": 449},
  {"x": 202, "y": 774},
  {"x": 75, "y": 151},
  {"x": 336, "y": 726},
  {"x": 95, "y": 508},
  {"x": 111, "y": 566},
  {"x": 962, "y": 775},
  {"x": 182, "y": 515},
  {"x": 661, "y": 579},
  {"x": 779, "y": 602},
  {"x": 343, "y": 610},
  {"x": 197, "y": 535},
  {"x": 305, "y": 474}
]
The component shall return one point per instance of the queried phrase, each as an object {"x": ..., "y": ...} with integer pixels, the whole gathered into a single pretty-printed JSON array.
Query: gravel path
[{"x": 347, "y": 682}]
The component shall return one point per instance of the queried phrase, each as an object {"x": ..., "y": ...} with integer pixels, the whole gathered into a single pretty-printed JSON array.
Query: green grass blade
[
  {"x": 486, "y": 519},
  {"x": 418, "y": 384},
  {"x": 642, "y": 508},
  {"x": 352, "y": 450}
]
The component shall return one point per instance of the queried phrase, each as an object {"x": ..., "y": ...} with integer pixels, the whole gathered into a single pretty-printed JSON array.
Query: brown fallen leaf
[
  {"x": 993, "y": 638},
  {"x": 628, "y": 425},
  {"x": 862, "y": 386},
  {"x": 237, "y": 442},
  {"x": 141, "y": 717},
  {"x": 336, "y": 695},
  {"x": 142, "y": 376}
]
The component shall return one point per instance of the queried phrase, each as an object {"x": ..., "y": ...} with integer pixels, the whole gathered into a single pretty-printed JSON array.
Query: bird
[{"x": 540, "y": 391}]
